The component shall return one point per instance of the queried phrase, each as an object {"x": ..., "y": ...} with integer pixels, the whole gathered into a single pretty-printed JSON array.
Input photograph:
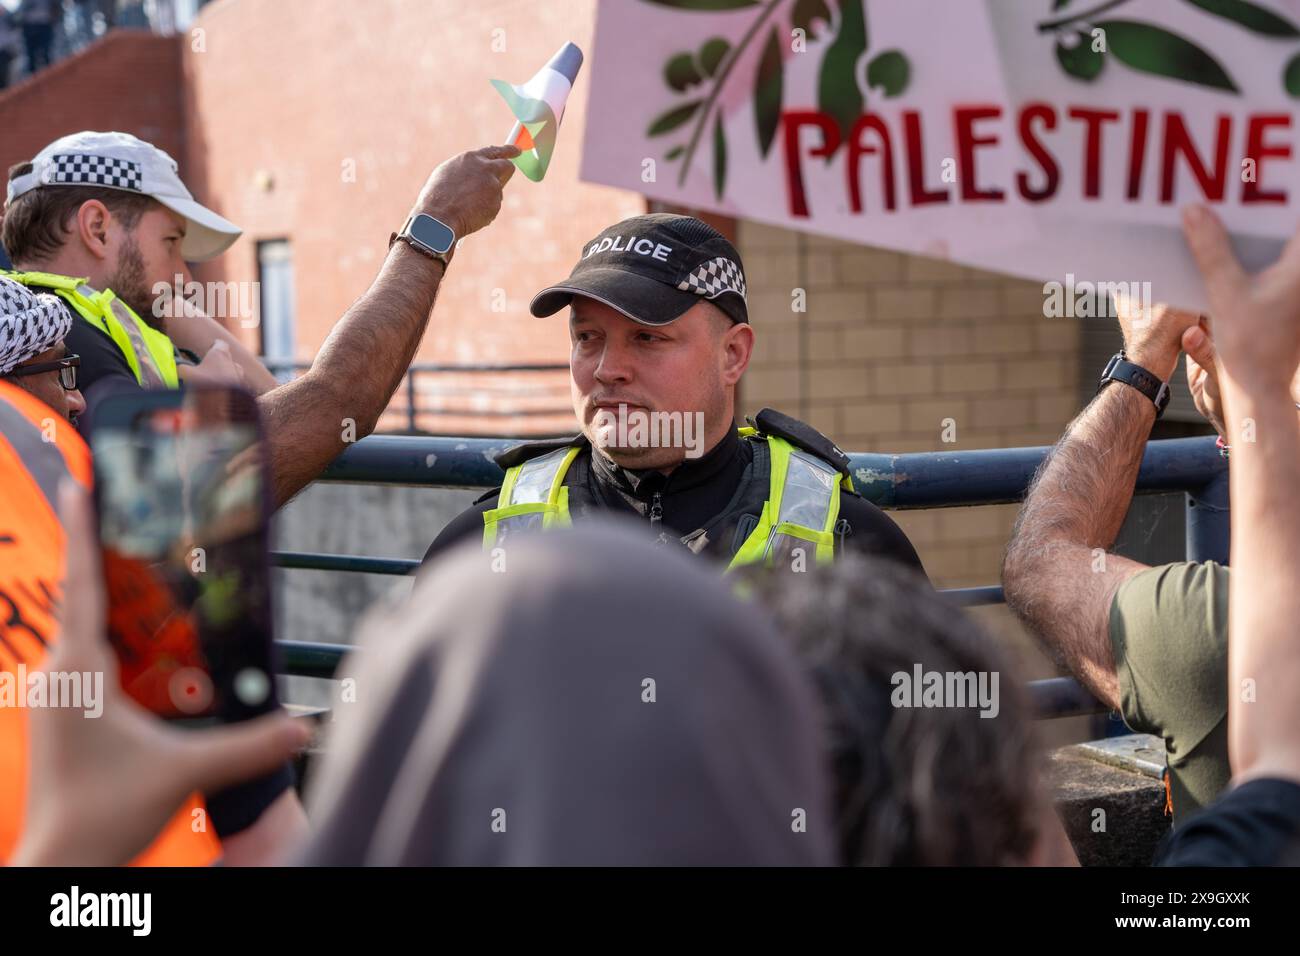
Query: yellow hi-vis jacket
[
  {"x": 803, "y": 502},
  {"x": 148, "y": 352}
]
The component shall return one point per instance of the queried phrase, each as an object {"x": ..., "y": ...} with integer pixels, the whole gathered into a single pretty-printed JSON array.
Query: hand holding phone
[
  {"x": 99, "y": 790},
  {"x": 184, "y": 510}
]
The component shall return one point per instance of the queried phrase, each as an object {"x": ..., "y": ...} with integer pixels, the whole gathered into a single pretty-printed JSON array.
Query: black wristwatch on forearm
[{"x": 1120, "y": 369}]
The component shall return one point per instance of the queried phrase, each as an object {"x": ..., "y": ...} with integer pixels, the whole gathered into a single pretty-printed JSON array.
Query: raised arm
[
  {"x": 310, "y": 420},
  {"x": 1057, "y": 574},
  {"x": 1257, "y": 338}
]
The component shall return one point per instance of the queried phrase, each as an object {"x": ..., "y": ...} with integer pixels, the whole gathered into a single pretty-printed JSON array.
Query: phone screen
[{"x": 183, "y": 526}]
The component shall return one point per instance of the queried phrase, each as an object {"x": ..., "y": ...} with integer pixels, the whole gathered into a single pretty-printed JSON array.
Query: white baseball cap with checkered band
[{"x": 121, "y": 161}]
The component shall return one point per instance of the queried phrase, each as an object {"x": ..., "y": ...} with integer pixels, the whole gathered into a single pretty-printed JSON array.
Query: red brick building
[{"x": 313, "y": 124}]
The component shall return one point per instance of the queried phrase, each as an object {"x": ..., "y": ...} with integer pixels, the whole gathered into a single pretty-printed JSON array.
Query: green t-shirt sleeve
[{"x": 1169, "y": 635}]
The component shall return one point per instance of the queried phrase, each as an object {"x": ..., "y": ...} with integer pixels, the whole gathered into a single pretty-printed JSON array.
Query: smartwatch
[
  {"x": 433, "y": 237},
  {"x": 1120, "y": 369}
]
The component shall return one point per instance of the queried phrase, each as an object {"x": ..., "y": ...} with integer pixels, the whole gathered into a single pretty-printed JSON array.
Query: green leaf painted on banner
[
  {"x": 711, "y": 54},
  {"x": 1249, "y": 15},
  {"x": 674, "y": 153},
  {"x": 705, "y": 4},
  {"x": 1081, "y": 61},
  {"x": 673, "y": 118},
  {"x": 1291, "y": 76},
  {"x": 837, "y": 87},
  {"x": 680, "y": 72},
  {"x": 1152, "y": 50},
  {"x": 806, "y": 11},
  {"x": 719, "y": 156},
  {"x": 768, "y": 85},
  {"x": 1059, "y": 4},
  {"x": 889, "y": 72}
]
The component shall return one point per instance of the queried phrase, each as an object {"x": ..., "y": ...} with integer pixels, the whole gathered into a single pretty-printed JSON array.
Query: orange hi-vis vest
[{"x": 39, "y": 449}]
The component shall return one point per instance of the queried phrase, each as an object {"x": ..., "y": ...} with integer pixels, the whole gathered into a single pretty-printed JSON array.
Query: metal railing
[
  {"x": 920, "y": 480},
  {"x": 406, "y": 404}
]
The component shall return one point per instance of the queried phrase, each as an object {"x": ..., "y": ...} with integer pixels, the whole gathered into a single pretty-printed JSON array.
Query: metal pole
[
  {"x": 410, "y": 400},
  {"x": 1208, "y": 521}
]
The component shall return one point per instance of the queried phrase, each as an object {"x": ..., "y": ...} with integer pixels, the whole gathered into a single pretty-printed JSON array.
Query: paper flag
[{"x": 538, "y": 106}]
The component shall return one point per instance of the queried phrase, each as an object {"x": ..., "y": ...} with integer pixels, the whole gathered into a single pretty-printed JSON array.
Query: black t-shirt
[
  {"x": 101, "y": 359},
  {"x": 1255, "y": 824},
  {"x": 693, "y": 494}
]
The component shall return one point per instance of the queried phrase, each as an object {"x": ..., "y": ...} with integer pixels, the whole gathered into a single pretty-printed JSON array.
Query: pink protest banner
[{"x": 1041, "y": 138}]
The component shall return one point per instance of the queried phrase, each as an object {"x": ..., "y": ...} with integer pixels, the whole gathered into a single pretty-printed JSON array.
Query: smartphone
[{"x": 184, "y": 508}]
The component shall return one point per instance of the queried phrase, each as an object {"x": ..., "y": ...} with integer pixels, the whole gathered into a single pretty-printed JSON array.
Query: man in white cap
[
  {"x": 56, "y": 232},
  {"x": 33, "y": 355},
  {"x": 101, "y": 219}
]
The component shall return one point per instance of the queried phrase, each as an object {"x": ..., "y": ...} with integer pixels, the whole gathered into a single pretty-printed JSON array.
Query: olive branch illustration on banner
[
  {"x": 700, "y": 75},
  {"x": 1148, "y": 48}
]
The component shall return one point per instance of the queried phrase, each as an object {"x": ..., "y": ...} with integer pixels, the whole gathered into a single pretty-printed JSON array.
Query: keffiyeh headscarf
[{"x": 30, "y": 323}]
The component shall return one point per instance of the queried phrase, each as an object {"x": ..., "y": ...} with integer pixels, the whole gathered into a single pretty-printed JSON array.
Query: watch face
[{"x": 430, "y": 232}]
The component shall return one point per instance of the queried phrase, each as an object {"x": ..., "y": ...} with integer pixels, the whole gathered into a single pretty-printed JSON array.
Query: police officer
[{"x": 660, "y": 338}]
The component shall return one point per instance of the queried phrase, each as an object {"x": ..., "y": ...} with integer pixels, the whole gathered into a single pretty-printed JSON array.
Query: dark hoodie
[{"x": 505, "y": 718}]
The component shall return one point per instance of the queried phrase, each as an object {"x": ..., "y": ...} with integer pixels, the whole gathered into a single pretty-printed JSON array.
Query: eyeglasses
[{"x": 66, "y": 367}]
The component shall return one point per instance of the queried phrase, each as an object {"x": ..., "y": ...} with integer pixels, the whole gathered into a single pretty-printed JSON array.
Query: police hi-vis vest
[
  {"x": 148, "y": 352},
  {"x": 801, "y": 509}
]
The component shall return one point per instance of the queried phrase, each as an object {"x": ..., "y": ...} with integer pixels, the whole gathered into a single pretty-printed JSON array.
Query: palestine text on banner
[{"x": 1034, "y": 137}]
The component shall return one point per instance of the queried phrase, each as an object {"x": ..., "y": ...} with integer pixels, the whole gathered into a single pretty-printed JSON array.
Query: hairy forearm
[
  {"x": 1085, "y": 486},
  {"x": 311, "y": 420},
  {"x": 374, "y": 344},
  {"x": 1264, "y": 600},
  {"x": 1052, "y": 579}
]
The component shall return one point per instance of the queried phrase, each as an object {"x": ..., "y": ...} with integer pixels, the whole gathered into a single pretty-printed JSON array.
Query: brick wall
[
  {"x": 129, "y": 81},
  {"x": 283, "y": 97},
  {"x": 892, "y": 345}
]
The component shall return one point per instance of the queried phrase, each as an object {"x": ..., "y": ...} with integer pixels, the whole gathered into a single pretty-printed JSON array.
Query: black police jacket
[{"x": 707, "y": 504}]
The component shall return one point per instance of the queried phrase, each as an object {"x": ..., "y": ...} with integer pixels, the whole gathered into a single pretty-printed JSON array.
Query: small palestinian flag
[{"x": 538, "y": 106}]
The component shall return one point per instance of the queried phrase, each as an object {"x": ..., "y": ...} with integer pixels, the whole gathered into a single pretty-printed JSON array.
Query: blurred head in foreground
[
  {"x": 594, "y": 701},
  {"x": 921, "y": 777}
]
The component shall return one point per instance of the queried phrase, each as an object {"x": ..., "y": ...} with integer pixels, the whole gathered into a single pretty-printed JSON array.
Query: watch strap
[
  {"x": 1120, "y": 369},
  {"x": 405, "y": 235}
]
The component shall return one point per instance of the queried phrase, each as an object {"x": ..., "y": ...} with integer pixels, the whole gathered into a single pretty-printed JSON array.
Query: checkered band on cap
[
  {"x": 82, "y": 169},
  {"x": 712, "y": 278}
]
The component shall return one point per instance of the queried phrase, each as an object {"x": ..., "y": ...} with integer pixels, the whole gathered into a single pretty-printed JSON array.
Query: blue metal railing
[
  {"x": 406, "y": 402},
  {"x": 919, "y": 480}
]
